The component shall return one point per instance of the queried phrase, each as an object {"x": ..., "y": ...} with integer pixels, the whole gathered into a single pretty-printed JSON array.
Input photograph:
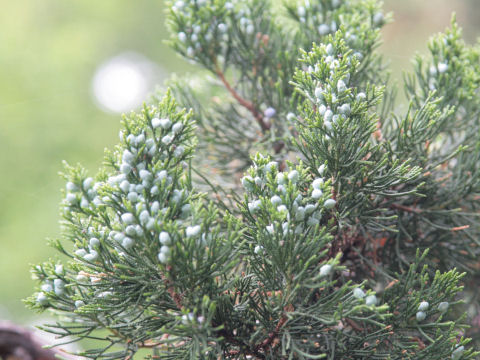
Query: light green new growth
[{"x": 331, "y": 226}]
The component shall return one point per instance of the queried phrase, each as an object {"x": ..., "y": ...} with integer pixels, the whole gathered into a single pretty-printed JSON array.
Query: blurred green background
[{"x": 50, "y": 51}]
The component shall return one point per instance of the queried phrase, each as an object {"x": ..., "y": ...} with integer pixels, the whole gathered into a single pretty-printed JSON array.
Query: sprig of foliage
[{"x": 320, "y": 249}]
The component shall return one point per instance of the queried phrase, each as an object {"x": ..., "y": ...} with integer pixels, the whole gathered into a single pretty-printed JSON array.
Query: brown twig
[
  {"x": 354, "y": 325},
  {"x": 265, "y": 344},
  {"x": 245, "y": 103},
  {"x": 177, "y": 298},
  {"x": 406, "y": 208}
]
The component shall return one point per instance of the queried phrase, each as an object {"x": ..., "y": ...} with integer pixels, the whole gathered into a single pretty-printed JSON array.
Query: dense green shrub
[{"x": 313, "y": 219}]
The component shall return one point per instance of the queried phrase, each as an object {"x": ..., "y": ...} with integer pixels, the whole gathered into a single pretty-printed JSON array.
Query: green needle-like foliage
[{"x": 330, "y": 225}]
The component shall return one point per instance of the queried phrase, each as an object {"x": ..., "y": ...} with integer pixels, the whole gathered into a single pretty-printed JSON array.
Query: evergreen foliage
[{"x": 342, "y": 238}]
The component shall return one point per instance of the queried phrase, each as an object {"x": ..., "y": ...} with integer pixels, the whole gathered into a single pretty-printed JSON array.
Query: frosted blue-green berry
[
  {"x": 176, "y": 196},
  {"x": 125, "y": 168},
  {"x": 88, "y": 183},
  {"x": 79, "y": 303},
  {"x": 131, "y": 139},
  {"x": 165, "y": 123},
  {"x": 42, "y": 299},
  {"x": 254, "y": 206},
  {"x": 59, "y": 286},
  {"x": 124, "y": 186},
  {"x": 319, "y": 93},
  {"x": 442, "y": 67},
  {"x": 420, "y": 316},
  {"x": 94, "y": 242},
  {"x": 127, "y": 242},
  {"x": 378, "y": 18},
  {"x": 47, "y": 288},
  {"x": 167, "y": 139},
  {"x": 341, "y": 87},
  {"x": 222, "y": 27},
  {"x": 329, "y": 203},
  {"x": 71, "y": 198},
  {"x": 165, "y": 249},
  {"x": 156, "y": 122},
  {"x": 164, "y": 238},
  {"x": 317, "y": 183},
  {"x": 291, "y": 117},
  {"x": 140, "y": 139},
  {"x": 280, "y": 178},
  {"x": 333, "y": 25},
  {"x": 128, "y": 218},
  {"x": 361, "y": 96},
  {"x": 178, "y": 151},
  {"x": 81, "y": 278},
  {"x": 71, "y": 186},
  {"x": 317, "y": 193},
  {"x": 270, "y": 112},
  {"x": 161, "y": 175},
  {"x": 131, "y": 230},
  {"x": 59, "y": 269},
  {"x": 345, "y": 109},
  {"x": 325, "y": 270},
  {"x": 293, "y": 176},
  {"x": 424, "y": 305},
  {"x": 323, "y": 29},
  {"x": 321, "y": 169},
  {"x": 371, "y": 300},
  {"x": 270, "y": 229},
  {"x": 145, "y": 174},
  {"x": 144, "y": 216},
  {"x": 309, "y": 208},
  {"x": 301, "y": 11},
  {"x": 177, "y": 127},
  {"x": 186, "y": 209},
  {"x": 458, "y": 352},
  {"x": 258, "y": 181},
  {"x": 329, "y": 49},
  {"x": 182, "y": 36},
  {"x": 328, "y": 115},
  {"x": 81, "y": 252},
  {"x": 300, "y": 213},
  {"x": 155, "y": 207},
  {"x": 276, "y": 200},
  {"x": 271, "y": 166},
  {"x": 192, "y": 231},
  {"x": 117, "y": 236},
  {"x": 163, "y": 258},
  {"x": 358, "y": 293},
  {"x": 92, "y": 256},
  {"x": 443, "y": 306},
  {"x": 139, "y": 230}
]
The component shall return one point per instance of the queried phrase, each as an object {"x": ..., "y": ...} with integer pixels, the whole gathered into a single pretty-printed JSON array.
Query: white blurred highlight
[{"x": 123, "y": 82}]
